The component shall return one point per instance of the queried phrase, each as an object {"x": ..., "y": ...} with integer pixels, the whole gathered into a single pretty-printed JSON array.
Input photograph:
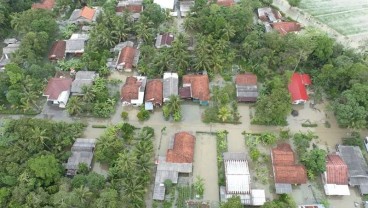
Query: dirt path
[{"x": 307, "y": 20}]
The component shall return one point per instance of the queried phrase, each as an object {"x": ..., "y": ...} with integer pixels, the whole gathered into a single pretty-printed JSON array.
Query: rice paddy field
[{"x": 348, "y": 17}]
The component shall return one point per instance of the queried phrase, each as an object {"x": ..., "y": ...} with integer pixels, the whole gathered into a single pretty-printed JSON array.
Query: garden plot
[{"x": 345, "y": 16}]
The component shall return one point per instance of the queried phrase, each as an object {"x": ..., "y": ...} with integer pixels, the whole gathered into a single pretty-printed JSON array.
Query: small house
[
  {"x": 82, "y": 79},
  {"x": 132, "y": 92},
  {"x": 196, "y": 87},
  {"x": 170, "y": 85},
  {"x": 58, "y": 90},
  {"x": 44, "y": 4},
  {"x": 297, "y": 88},
  {"x": 84, "y": 16},
  {"x": 128, "y": 57},
  {"x": 82, "y": 152},
  {"x": 153, "y": 96},
  {"x": 225, "y": 3},
  {"x": 164, "y": 40},
  {"x": 133, "y": 7},
  {"x": 357, "y": 166},
  {"x": 182, "y": 148},
  {"x": 335, "y": 178},
  {"x": 165, "y": 4},
  {"x": 57, "y": 51},
  {"x": 185, "y": 7},
  {"x": 267, "y": 14},
  {"x": 286, "y": 27},
  {"x": 76, "y": 44},
  {"x": 12, "y": 45},
  {"x": 246, "y": 87},
  {"x": 238, "y": 181},
  {"x": 285, "y": 170}
]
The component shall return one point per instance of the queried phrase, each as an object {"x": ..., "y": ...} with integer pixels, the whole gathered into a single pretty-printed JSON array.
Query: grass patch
[{"x": 99, "y": 126}]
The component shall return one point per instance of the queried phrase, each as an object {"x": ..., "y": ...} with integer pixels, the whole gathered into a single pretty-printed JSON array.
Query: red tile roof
[
  {"x": 226, "y": 3},
  {"x": 126, "y": 56},
  {"x": 246, "y": 79},
  {"x": 130, "y": 8},
  {"x": 45, "y": 4},
  {"x": 199, "y": 85},
  {"x": 337, "y": 170},
  {"x": 285, "y": 27},
  {"x": 184, "y": 92},
  {"x": 57, "y": 50},
  {"x": 55, "y": 86},
  {"x": 183, "y": 149},
  {"x": 283, "y": 155},
  {"x": 297, "y": 88},
  {"x": 87, "y": 13},
  {"x": 285, "y": 169},
  {"x": 167, "y": 39},
  {"x": 293, "y": 174},
  {"x": 130, "y": 89},
  {"x": 154, "y": 92}
]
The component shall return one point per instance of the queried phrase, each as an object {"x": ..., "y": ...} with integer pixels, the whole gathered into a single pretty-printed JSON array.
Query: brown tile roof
[
  {"x": 130, "y": 89},
  {"x": 226, "y": 3},
  {"x": 283, "y": 155},
  {"x": 293, "y": 174},
  {"x": 183, "y": 149},
  {"x": 127, "y": 56},
  {"x": 130, "y": 8},
  {"x": 167, "y": 39},
  {"x": 87, "y": 13},
  {"x": 57, "y": 50},
  {"x": 45, "y": 4},
  {"x": 199, "y": 85},
  {"x": 285, "y": 27},
  {"x": 337, "y": 170},
  {"x": 284, "y": 167},
  {"x": 154, "y": 92},
  {"x": 184, "y": 92},
  {"x": 246, "y": 79},
  {"x": 55, "y": 86}
]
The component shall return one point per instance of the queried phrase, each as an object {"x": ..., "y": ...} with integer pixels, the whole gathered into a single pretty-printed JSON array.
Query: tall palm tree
[
  {"x": 74, "y": 106},
  {"x": 39, "y": 136},
  {"x": 228, "y": 31},
  {"x": 125, "y": 161},
  {"x": 174, "y": 103},
  {"x": 82, "y": 196},
  {"x": 143, "y": 148},
  {"x": 133, "y": 193},
  {"x": 224, "y": 113},
  {"x": 89, "y": 94}
]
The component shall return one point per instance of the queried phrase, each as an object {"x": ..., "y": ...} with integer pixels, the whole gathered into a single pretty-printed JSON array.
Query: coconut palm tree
[
  {"x": 143, "y": 148},
  {"x": 39, "y": 136},
  {"x": 174, "y": 103},
  {"x": 125, "y": 161},
  {"x": 74, "y": 106},
  {"x": 82, "y": 196},
  {"x": 133, "y": 192},
  {"x": 224, "y": 113}
]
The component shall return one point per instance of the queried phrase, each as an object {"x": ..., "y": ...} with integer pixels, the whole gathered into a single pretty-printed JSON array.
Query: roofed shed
[{"x": 82, "y": 152}]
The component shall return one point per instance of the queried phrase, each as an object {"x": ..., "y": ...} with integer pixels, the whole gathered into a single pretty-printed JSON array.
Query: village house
[
  {"x": 44, "y": 4},
  {"x": 132, "y": 92},
  {"x": 335, "y": 178},
  {"x": 357, "y": 166},
  {"x": 285, "y": 170},
  {"x": 76, "y": 44},
  {"x": 286, "y": 27},
  {"x": 185, "y": 7},
  {"x": 196, "y": 87},
  {"x": 178, "y": 160},
  {"x": 226, "y": 3},
  {"x": 82, "y": 79},
  {"x": 297, "y": 88},
  {"x": 164, "y": 40},
  {"x": 12, "y": 45},
  {"x": 128, "y": 57},
  {"x": 166, "y": 4},
  {"x": 153, "y": 97},
  {"x": 170, "y": 85},
  {"x": 57, "y": 91},
  {"x": 57, "y": 51},
  {"x": 238, "y": 181},
  {"x": 133, "y": 7},
  {"x": 85, "y": 15},
  {"x": 267, "y": 14},
  {"x": 246, "y": 87},
  {"x": 82, "y": 152}
]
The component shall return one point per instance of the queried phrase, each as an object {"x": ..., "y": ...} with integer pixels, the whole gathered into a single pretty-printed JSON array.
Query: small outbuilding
[
  {"x": 82, "y": 152},
  {"x": 84, "y": 15},
  {"x": 57, "y": 51},
  {"x": 246, "y": 87},
  {"x": 82, "y": 78},
  {"x": 164, "y": 40}
]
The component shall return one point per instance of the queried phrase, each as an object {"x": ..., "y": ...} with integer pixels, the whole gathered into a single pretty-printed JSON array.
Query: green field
[{"x": 348, "y": 17}]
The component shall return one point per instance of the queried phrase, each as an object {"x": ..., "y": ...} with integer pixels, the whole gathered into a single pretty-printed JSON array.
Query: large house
[
  {"x": 196, "y": 87},
  {"x": 153, "y": 97},
  {"x": 238, "y": 181},
  {"x": 170, "y": 86},
  {"x": 132, "y": 92},
  {"x": 58, "y": 91},
  {"x": 128, "y": 57},
  {"x": 75, "y": 45},
  {"x": 84, "y": 15},
  {"x": 164, "y": 40},
  {"x": 133, "y": 7},
  {"x": 297, "y": 88},
  {"x": 285, "y": 170},
  {"x": 44, "y": 4},
  {"x": 82, "y": 79},
  {"x": 178, "y": 160},
  {"x": 82, "y": 152},
  {"x": 57, "y": 51},
  {"x": 335, "y": 178},
  {"x": 286, "y": 27},
  {"x": 357, "y": 166},
  {"x": 246, "y": 87}
]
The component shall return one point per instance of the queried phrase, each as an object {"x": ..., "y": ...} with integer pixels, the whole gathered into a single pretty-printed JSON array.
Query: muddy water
[{"x": 205, "y": 165}]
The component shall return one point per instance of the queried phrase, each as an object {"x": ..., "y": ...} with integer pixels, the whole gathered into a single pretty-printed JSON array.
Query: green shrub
[
  {"x": 124, "y": 115},
  {"x": 101, "y": 126},
  {"x": 143, "y": 115}
]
